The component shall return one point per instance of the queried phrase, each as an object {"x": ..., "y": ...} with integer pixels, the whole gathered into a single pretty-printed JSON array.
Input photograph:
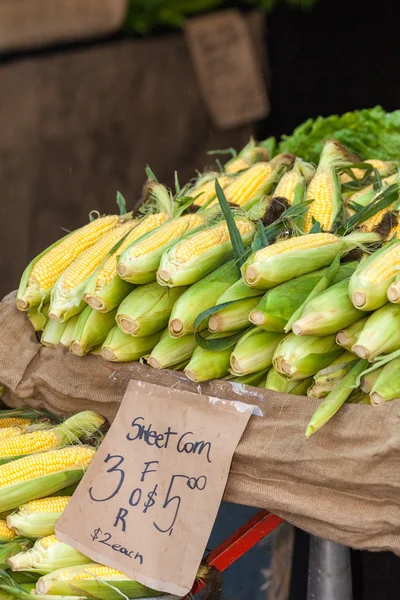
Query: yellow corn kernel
[
  {"x": 6, "y": 534},
  {"x": 287, "y": 184},
  {"x": 171, "y": 231},
  {"x": 53, "y": 504},
  {"x": 8, "y": 432},
  {"x": 89, "y": 260},
  {"x": 88, "y": 572},
  {"x": 304, "y": 242},
  {"x": 37, "y": 441},
  {"x": 109, "y": 269},
  {"x": 45, "y": 463},
  {"x": 207, "y": 239},
  {"x": 246, "y": 186},
  {"x": 14, "y": 421},
  {"x": 375, "y": 220},
  {"x": 385, "y": 267},
  {"x": 48, "y": 541},
  {"x": 206, "y": 191},
  {"x": 321, "y": 191},
  {"x": 239, "y": 164},
  {"x": 49, "y": 268}
]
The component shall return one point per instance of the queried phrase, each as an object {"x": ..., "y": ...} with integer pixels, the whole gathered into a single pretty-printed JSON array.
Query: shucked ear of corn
[
  {"x": 203, "y": 192},
  {"x": 42, "y": 273},
  {"x": 250, "y": 154},
  {"x": 39, "y": 517},
  {"x": 292, "y": 186}
]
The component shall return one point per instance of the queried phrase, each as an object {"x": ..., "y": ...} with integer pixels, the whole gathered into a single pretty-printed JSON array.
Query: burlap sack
[{"x": 343, "y": 484}]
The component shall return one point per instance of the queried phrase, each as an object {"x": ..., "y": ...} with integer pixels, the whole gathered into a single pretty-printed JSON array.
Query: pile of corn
[
  {"x": 296, "y": 302},
  {"x": 41, "y": 462}
]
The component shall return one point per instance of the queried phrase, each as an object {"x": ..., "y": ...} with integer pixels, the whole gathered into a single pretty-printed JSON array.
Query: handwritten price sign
[{"x": 148, "y": 502}]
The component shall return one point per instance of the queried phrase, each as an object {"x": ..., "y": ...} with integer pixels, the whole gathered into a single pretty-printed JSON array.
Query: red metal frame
[{"x": 240, "y": 542}]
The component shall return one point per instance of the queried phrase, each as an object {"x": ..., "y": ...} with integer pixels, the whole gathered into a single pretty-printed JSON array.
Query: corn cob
[
  {"x": 326, "y": 379},
  {"x": 349, "y": 336},
  {"x": 6, "y": 534},
  {"x": 293, "y": 185},
  {"x": 7, "y": 432},
  {"x": 381, "y": 333},
  {"x": 139, "y": 262},
  {"x": 39, "y": 517},
  {"x": 91, "y": 330},
  {"x": 70, "y": 431},
  {"x": 254, "y": 351},
  {"x": 278, "y": 305},
  {"x": 301, "y": 357},
  {"x": 200, "y": 253},
  {"x": 105, "y": 289},
  {"x": 120, "y": 347},
  {"x": 38, "y": 316},
  {"x": 42, "y": 273},
  {"x": 324, "y": 189},
  {"x": 46, "y": 556},
  {"x": 204, "y": 190},
  {"x": 250, "y": 154},
  {"x": 276, "y": 382},
  {"x": 94, "y": 581},
  {"x": 170, "y": 351},
  {"x": 6, "y": 422},
  {"x": 371, "y": 281},
  {"x": 383, "y": 167},
  {"x": 208, "y": 364},
  {"x": 335, "y": 399},
  {"x": 201, "y": 295},
  {"x": 66, "y": 297},
  {"x": 387, "y": 385},
  {"x": 147, "y": 309},
  {"x": 42, "y": 474}
]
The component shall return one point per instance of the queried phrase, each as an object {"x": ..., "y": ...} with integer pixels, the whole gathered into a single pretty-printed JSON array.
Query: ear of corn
[
  {"x": 120, "y": 347},
  {"x": 326, "y": 379},
  {"x": 38, "y": 316},
  {"x": 381, "y": 333},
  {"x": 250, "y": 154},
  {"x": 67, "y": 294},
  {"x": 68, "y": 334},
  {"x": 39, "y": 517},
  {"x": 6, "y": 422},
  {"x": 203, "y": 192},
  {"x": 255, "y": 379},
  {"x": 233, "y": 317},
  {"x": 276, "y": 382},
  {"x": 384, "y": 168},
  {"x": 387, "y": 384},
  {"x": 7, "y": 432},
  {"x": 147, "y": 309},
  {"x": 6, "y": 534},
  {"x": 393, "y": 292},
  {"x": 348, "y": 337},
  {"x": 329, "y": 312},
  {"x": 254, "y": 351},
  {"x": 293, "y": 185},
  {"x": 208, "y": 364},
  {"x": 105, "y": 289},
  {"x": 335, "y": 399},
  {"x": 238, "y": 291},
  {"x": 39, "y": 475},
  {"x": 370, "y": 283},
  {"x": 91, "y": 330},
  {"x": 92, "y": 580},
  {"x": 201, "y": 295},
  {"x": 52, "y": 333},
  {"x": 42, "y": 273},
  {"x": 200, "y": 253},
  {"x": 278, "y": 305},
  {"x": 368, "y": 380},
  {"x": 297, "y": 256},
  {"x": 46, "y": 556},
  {"x": 301, "y": 357},
  {"x": 170, "y": 351},
  {"x": 8, "y": 549}
]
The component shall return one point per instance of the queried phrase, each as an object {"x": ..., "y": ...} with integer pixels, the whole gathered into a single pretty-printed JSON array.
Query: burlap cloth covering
[{"x": 343, "y": 484}]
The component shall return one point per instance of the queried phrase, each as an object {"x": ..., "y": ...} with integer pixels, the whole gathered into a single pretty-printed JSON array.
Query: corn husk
[
  {"x": 326, "y": 379},
  {"x": 393, "y": 293},
  {"x": 201, "y": 295},
  {"x": 254, "y": 351},
  {"x": 349, "y": 336},
  {"x": 33, "y": 524},
  {"x": 52, "y": 333},
  {"x": 38, "y": 316},
  {"x": 301, "y": 357},
  {"x": 91, "y": 330},
  {"x": 208, "y": 364},
  {"x": 276, "y": 382},
  {"x": 68, "y": 334},
  {"x": 279, "y": 304},
  {"x": 120, "y": 347},
  {"x": 368, "y": 380},
  {"x": 233, "y": 317},
  {"x": 329, "y": 312},
  {"x": 11, "y": 548},
  {"x": 147, "y": 309},
  {"x": 42, "y": 559},
  {"x": 380, "y": 334},
  {"x": 170, "y": 352},
  {"x": 255, "y": 379},
  {"x": 387, "y": 384}
]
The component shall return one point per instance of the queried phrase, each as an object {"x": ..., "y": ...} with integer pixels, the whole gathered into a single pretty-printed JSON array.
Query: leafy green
[{"x": 371, "y": 133}]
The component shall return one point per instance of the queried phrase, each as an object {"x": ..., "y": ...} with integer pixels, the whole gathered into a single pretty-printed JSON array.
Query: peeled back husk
[{"x": 47, "y": 555}]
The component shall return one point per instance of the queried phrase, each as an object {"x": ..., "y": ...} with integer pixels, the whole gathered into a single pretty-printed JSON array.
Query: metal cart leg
[{"x": 329, "y": 571}]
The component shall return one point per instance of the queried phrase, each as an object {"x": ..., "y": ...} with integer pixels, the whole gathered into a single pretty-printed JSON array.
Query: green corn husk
[
  {"x": 120, "y": 347},
  {"x": 46, "y": 482},
  {"x": 106, "y": 587},
  {"x": 279, "y": 304},
  {"x": 335, "y": 399},
  {"x": 276, "y": 382},
  {"x": 387, "y": 384},
  {"x": 357, "y": 396},
  {"x": 254, "y": 351},
  {"x": 255, "y": 379},
  {"x": 301, "y": 357},
  {"x": 33, "y": 524},
  {"x": 349, "y": 336},
  {"x": 27, "y": 413},
  {"x": 171, "y": 352},
  {"x": 147, "y": 309},
  {"x": 69, "y": 330},
  {"x": 329, "y": 312},
  {"x": 52, "y": 333},
  {"x": 208, "y": 364},
  {"x": 263, "y": 271},
  {"x": 367, "y": 294},
  {"x": 201, "y": 295},
  {"x": 11, "y": 548},
  {"x": 368, "y": 380},
  {"x": 91, "y": 330},
  {"x": 47, "y": 555},
  {"x": 326, "y": 379},
  {"x": 380, "y": 334},
  {"x": 238, "y": 291},
  {"x": 233, "y": 317},
  {"x": 38, "y": 316},
  {"x": 393, "y": 293},
  {"x": 173, "y": 272}
]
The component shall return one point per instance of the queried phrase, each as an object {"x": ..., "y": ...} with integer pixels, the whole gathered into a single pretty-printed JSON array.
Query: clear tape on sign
[{"x": 240, "y": 406}]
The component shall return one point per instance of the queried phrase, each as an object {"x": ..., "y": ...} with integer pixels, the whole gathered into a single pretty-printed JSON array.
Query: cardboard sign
[
  {"x": 147, "y": 503},
  {"x": 228, "y": 69}
]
